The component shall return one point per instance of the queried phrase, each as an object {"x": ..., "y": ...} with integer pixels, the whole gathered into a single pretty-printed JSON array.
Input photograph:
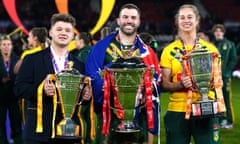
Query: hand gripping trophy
[
  {"x": 70, "y": 84},
  {"x": 203, "y": 66}
]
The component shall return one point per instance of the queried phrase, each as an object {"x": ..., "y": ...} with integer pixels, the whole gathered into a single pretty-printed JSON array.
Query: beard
[{"x": 128, "y": 33}]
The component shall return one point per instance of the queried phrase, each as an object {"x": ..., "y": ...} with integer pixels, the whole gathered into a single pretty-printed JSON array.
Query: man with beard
[{"x": 106, "y": 53}]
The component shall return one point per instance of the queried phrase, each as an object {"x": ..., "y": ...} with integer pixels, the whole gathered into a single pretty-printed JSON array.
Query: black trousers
[{"x": 15, "y": 122}]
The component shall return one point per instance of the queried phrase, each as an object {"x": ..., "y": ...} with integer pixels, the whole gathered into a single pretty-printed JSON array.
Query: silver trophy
[
  {"x": 127, "y": 82},
  {"x": 200, "y": 62},
  {"x": 71, "y": 85},
  {"x": 127, "y": 75}
]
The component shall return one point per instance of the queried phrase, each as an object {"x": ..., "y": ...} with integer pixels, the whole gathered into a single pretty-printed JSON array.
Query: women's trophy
[{"x": 200, "y": 67}]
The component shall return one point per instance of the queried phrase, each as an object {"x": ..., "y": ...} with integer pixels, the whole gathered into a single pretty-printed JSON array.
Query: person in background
[
  {"x": 202, "y": 35},
  {"x": 178, "y": 129},
  {"x": 149, "y": 40},
  {"x": 8, "y": 101},
  {"x": 37, "y": 39},
  {"x": 105, "y": 31},
  {"x": 34, "y": 84},
  {"x": 83, "y": 43},
  {"x": 229, "y": 59},
  {"x": 103, "y": 54}
]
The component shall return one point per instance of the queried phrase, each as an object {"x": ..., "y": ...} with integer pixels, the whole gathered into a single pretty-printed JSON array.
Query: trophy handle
[{"x": 86, "y": 81}]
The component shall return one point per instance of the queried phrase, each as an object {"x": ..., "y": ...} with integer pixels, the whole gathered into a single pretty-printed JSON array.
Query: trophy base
[
  {"x": 66, "y": 128},
  {"x": 205, "y": 109},
  {"x": 127, "y": 127},
  {"x": 67, "y": 140}
]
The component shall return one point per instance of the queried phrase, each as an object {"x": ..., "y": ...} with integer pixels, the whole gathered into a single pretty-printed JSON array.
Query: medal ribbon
[
  {"x": 184, "y": 48},
  {"x": 131, "y": 49},
  {"x": 7, "y": 66},
  {"x": 55, "y": 65}
]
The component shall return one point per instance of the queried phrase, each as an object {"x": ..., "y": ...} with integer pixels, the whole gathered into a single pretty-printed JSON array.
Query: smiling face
[
  {"x": 128, "y": 21},
  {"x": 187, "y": 20},
  {"x": 61, "y": 33}
]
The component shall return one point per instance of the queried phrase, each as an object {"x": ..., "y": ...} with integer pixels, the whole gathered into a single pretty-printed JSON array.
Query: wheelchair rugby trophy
[
  {"x": 71, "y": 85},
  {"x": 202, "y": 65},
  {"x": 123, "y": 80}
]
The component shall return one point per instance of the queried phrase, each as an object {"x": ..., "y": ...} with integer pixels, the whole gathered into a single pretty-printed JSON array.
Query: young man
[
  {"x": 108, "y": 51},
  {"x": 229, "y": 59},
  {"x": 32, "y": 82}
]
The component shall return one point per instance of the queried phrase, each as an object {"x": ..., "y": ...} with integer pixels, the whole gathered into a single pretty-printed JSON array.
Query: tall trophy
[
  {"x": 124, "y": 79},
  {"x": 71, "y": 84},
  {"x": 198, "y": 64}
]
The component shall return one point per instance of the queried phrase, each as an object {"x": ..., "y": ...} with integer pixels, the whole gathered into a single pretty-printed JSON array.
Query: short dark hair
[
  {"x": 41, "y": 33},
  {"x": 130, "y": 6},
  {"x": 63, "y": 17},
  {"x": 87, "y": 38}
]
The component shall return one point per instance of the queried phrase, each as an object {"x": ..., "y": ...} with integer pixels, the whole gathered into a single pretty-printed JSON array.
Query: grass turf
[{"x": 227, "y": 136}]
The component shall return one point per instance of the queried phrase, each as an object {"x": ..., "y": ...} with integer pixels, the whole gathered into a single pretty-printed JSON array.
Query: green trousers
[
  {"x": 228, "y": 99},
  {"x": 180, "y": 131}
]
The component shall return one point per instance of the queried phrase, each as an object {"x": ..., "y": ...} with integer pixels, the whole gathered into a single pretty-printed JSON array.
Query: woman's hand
[{"x": 186, "y": 82}]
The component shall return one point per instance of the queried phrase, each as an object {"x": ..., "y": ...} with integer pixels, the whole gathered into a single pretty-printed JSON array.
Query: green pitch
[{"x": 227, "y": 136}]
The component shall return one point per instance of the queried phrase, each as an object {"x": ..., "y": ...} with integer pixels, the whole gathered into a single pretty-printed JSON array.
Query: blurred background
[{"x": 157, "y": 16}]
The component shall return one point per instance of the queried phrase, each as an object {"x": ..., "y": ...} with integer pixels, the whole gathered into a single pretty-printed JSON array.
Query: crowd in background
[{"x": 157, "y": 22}]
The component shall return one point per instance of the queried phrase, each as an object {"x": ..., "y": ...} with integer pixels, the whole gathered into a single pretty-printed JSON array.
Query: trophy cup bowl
[
  {"x": 70, "y": 84},
  {"x": 127, "y": 76},
  {"x": 201, "y": 62}
]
